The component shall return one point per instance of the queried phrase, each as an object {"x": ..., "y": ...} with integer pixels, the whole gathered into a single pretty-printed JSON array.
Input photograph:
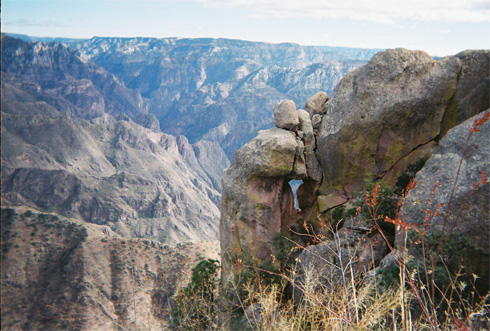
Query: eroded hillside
[{"x": 60, "y": 273}]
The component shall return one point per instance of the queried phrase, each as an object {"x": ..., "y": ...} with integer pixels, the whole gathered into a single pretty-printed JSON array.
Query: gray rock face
[
  {"x": 148, "y": 121},
  {"x": 470, "y": 218},
  {"x": 392, "y": 111},
  {"x": 473, "y": 89},
  {"x": 316, "y": 121},
  {"x": 286, "y": 115},
  {"x": 307, "y": 135}
]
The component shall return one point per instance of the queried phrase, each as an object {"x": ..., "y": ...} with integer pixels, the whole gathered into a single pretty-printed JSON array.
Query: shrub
[
  {"x": 404, "y": 179},
  {"x": 195, "y": 306}
]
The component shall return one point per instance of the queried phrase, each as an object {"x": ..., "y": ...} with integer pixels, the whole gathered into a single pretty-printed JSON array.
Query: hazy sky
[{"x": 440, "y": 27}]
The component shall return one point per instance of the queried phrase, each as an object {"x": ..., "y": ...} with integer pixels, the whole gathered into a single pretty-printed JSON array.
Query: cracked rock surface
[{"x": 392, "y": 111}]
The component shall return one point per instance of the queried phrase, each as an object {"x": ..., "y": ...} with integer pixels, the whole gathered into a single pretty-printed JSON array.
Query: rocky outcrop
[
  {"x": 286, "y": 115},
  {"x": 257, "y": 200},
  {"x": 381, "y": 117},
  {"x": 465, "y": 212},
  {"x": 316, "y": 104},
  {"x": 354, "y": 250},
  {"x": 392, "y": 111}
]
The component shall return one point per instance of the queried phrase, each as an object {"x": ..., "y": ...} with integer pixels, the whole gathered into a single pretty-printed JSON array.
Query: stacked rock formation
[{"x": 257, "y": 200}]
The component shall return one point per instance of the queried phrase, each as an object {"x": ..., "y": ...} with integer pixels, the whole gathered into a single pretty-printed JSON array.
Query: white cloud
[
  {"x": 379, "y": 11},
  {"x": 22, "y": 22}
]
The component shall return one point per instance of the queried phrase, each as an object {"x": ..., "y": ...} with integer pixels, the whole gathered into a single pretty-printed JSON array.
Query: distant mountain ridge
[
  {"x": 219, "y": 90},
  {"x": 54, "y": 73}
]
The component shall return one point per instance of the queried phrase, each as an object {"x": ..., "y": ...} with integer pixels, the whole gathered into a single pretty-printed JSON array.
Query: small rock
[
  {"x": 326, "y": 202},
  {"x": 286, "y": 115},
  {"x": 315, "y": 104},
  {"x": 316, "y": 121}
]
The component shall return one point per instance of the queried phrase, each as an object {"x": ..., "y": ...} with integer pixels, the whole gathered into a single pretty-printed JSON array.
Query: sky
[{"x": 439, "y": 27}]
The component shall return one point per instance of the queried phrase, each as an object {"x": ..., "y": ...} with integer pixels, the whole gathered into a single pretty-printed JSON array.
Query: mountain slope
[
  {"x": 55, "y": 74},
  {"x": 115, "y": 172},
  {"x": 107, "y": 170}
]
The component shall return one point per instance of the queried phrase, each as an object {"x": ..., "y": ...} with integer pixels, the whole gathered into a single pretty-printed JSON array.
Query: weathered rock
[
  {"x": 316, "y": 104},
  {"x": 313, "y": 167},
  {"x": 326, "y": 202},
  {"x": 270, "y": 154},
  {"x": 286, "y": 115},
  {"x": 306, "y": 128},
  {"x": 384, "y": 115},
  {"x": 469, "y": 207},
  {"x": 355, "y": 249},
  {"x": 252, "y": 189},
  {"x": 316, "y": 121},
  {"x": 299, "y": 169},
  {"x": 472, "y": 92},
  {"x": 257, "y": 201}
]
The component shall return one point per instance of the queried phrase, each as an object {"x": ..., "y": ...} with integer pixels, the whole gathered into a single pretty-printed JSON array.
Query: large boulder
[
  {"x": 468, "y": 215},
  {"x": 316, "y": 104},
  {"x": 392, "y": 111},
  {"x": 252, "y": 191}
]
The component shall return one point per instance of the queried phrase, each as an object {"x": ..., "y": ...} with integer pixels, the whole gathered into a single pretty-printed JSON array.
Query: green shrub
[
  {"x": 404, "y": 179},
  {"x": 195, "y": 306},
  {"x": 282, "y": 247},
  {"x": 338, "y": 213},
  {"x": 386, "y": 206}
]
